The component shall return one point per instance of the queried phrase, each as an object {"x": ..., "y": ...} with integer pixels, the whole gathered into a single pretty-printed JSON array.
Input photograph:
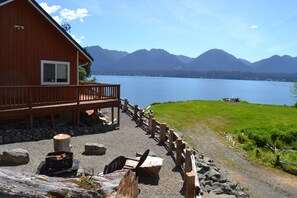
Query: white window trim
[{"x": 55, "y": 62}]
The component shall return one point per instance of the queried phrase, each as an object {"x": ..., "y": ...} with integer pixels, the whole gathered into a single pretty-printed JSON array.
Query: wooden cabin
[{"x": 40, "y": 67}]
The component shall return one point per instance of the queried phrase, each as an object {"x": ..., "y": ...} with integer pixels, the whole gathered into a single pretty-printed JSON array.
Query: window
[{"x": 54, "y": 72}]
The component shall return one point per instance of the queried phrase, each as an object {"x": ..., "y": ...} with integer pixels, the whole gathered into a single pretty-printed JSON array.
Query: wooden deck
[{"x": 29, "y": 101}]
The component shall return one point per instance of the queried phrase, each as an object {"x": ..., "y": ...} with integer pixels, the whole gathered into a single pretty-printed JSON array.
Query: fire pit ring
[{"x": 59, "y": 160}]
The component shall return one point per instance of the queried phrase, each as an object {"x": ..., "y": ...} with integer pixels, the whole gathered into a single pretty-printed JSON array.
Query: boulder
[
  {"x": 213, "y": 175},
  {"x": 14, "y": 157},
  {"x": 94, "y": 149}
]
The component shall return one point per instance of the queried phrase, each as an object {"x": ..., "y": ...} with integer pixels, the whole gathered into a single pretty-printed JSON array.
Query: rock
[
  {"x": 232, "y": 185},
  {"x": 202, "y": 167},
  {"x": 218, "y": 191},
  {"x": 15, "y": 157},
  {"x": 241, "y": 194},
  {"x": 223, "y": 178},
  {"x": 213, "y": 175},
  {"x": 94, "y": 149},
  {"x": 208, "y": 182},
  {"x": 208, "y": 188}
]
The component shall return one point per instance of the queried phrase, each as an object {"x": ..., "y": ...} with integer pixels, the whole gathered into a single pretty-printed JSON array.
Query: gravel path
[
  {"x": 259, "y": 181},
  {"x": 126, "y": 141}
]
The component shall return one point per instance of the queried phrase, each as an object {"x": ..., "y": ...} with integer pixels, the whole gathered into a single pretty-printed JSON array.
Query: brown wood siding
[{"x": 21, "y": 51}]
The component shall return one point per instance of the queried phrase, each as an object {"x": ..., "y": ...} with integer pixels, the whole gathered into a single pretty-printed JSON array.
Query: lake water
[{"x": 144, "y": 91}]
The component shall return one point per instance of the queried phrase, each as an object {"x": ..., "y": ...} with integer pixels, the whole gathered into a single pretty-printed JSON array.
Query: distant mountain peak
[
  {"x": 212, "y": 60},
  {"x": 217, "y": 60}
]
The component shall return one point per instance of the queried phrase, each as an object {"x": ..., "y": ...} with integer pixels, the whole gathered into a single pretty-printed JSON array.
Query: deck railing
[
  {"x": 12, "y": 97},
  {"x": 181, "y": 150}
]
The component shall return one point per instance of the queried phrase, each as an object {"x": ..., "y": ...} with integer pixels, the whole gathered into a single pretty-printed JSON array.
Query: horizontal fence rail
[
  {"x": 12, "y": 97},
  {"x": 184, "y": 157}
]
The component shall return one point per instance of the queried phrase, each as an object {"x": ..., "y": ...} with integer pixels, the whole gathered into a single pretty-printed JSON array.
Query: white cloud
[
  {"x": 78, "y": 40},
  {"x": 50, "y": 9},
  {"x": 65, "y": 14},
  {"x": 254, "y": 27},
  {"x": 58, "y": 19},
  {"x": 71, "y": 15}
]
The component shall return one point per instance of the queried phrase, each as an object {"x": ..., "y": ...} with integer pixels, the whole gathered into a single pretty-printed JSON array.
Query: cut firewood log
[
  {"x": 57, "y": 157},
  {"x": 150, "y": 167},
  {"x": 128, "y": 187},
  {"x": 62, "y": 142}
]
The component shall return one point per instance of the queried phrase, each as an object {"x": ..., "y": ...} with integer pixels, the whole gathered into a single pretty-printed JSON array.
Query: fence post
[
  {"x": 125, "y": 107},
  {"x": 140, "y": 117},
  {"x": 150, "y": 124},
  {"x": 188, "y": 164},
  {"x": 162, "y": 133},
  {"x": 135, "y": 116},
  {"x": 190, "y": 184},
  {"x": 179, "y": 148},
  {"x": 153, "y": 127},
  {"x": 170, "y": 145},
  {"x": 277, "y": 163}
]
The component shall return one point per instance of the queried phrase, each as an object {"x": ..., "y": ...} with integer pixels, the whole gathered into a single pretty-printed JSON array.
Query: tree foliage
[{"x": 66, "y": 26}]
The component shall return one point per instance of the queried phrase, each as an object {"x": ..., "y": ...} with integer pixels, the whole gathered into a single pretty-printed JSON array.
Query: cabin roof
[{"x": 56, "y": 25}]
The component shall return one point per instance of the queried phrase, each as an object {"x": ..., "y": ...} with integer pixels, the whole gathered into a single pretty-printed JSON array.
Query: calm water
[{"x": 147, "y": 90}]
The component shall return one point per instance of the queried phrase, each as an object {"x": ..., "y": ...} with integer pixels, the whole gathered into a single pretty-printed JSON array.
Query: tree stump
[{"x": 62, "y": 142}]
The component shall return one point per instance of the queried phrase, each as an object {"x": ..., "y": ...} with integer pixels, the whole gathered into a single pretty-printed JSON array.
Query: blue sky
[{"x": 248, "y": 29}]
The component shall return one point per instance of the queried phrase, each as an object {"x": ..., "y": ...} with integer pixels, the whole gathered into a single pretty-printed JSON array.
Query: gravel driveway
[{"x": 259, "y": 181}]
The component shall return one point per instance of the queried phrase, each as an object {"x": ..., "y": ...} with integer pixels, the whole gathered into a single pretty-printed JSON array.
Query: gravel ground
[
  {"x": 126, "y": 141},
  {"x": 259, "y": 181}
]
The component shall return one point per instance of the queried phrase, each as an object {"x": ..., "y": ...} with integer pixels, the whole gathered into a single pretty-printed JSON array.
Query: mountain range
[{"x": 214, "y": 60}]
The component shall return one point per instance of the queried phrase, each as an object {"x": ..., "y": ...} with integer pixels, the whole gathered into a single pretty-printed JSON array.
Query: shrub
[
  {"x": 242, "y": 138},
  {"x": 248, "y": 146}
]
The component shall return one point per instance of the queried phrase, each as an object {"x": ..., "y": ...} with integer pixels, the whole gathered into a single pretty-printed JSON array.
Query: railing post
[
  {"x": 135, "y": 116},
  {"x": 30, "y": 97},
  {"x": 118, "y": 92},
  {"x": 150, "y": 124},
  {"x": 162, "y": 133},
  {"x": 190, "y": 184},
  {"x": 125, "y": 107},
  {"x": 112, "y": 115},
  {"x": 179, "y": 148},
  {"x": 188, "y": 164},
  {"x": 153, "y": 127},
  {"x": 140, "y": 117},
  {"x": 77, "y": 97},
  {"x": 170, "y": 145}
]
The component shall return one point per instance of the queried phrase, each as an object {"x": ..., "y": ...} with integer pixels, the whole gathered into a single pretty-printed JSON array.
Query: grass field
[{"x": 254, "y": 126}]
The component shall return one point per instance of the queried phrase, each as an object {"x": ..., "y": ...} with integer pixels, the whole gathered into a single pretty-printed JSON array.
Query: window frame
[{"x": 55, "y": 63}]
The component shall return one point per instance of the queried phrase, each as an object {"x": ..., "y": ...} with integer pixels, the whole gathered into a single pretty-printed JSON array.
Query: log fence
[{"x": 183, "y": 153}]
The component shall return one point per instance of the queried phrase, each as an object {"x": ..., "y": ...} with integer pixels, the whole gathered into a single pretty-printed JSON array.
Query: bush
[
  {"x": 242, "y": 138},
  {"x": 248, "y": 146}
]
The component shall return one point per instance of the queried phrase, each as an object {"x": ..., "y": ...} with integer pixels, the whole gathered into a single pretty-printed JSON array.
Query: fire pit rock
[
  {"x": 14, "y": 157},
  {"x": 94, "y": 149}
]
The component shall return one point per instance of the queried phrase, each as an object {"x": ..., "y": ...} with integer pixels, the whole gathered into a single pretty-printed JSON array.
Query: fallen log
[{"x": 22, "y": 184}]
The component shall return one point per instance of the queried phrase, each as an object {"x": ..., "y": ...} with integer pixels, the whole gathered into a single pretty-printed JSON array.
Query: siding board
[{"x": 22, "y": 50}]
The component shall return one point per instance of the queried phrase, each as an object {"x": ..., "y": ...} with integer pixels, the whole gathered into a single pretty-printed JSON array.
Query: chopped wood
[
  {"x": 151, "y": 167},
  {"x": 57, "y": 157},
  {"x": 62, "y": 142},
  {"x": 128, "y": 187}
]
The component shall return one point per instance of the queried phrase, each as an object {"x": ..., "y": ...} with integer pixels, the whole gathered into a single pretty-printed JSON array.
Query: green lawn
[{"x": 255, "y": 126}]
